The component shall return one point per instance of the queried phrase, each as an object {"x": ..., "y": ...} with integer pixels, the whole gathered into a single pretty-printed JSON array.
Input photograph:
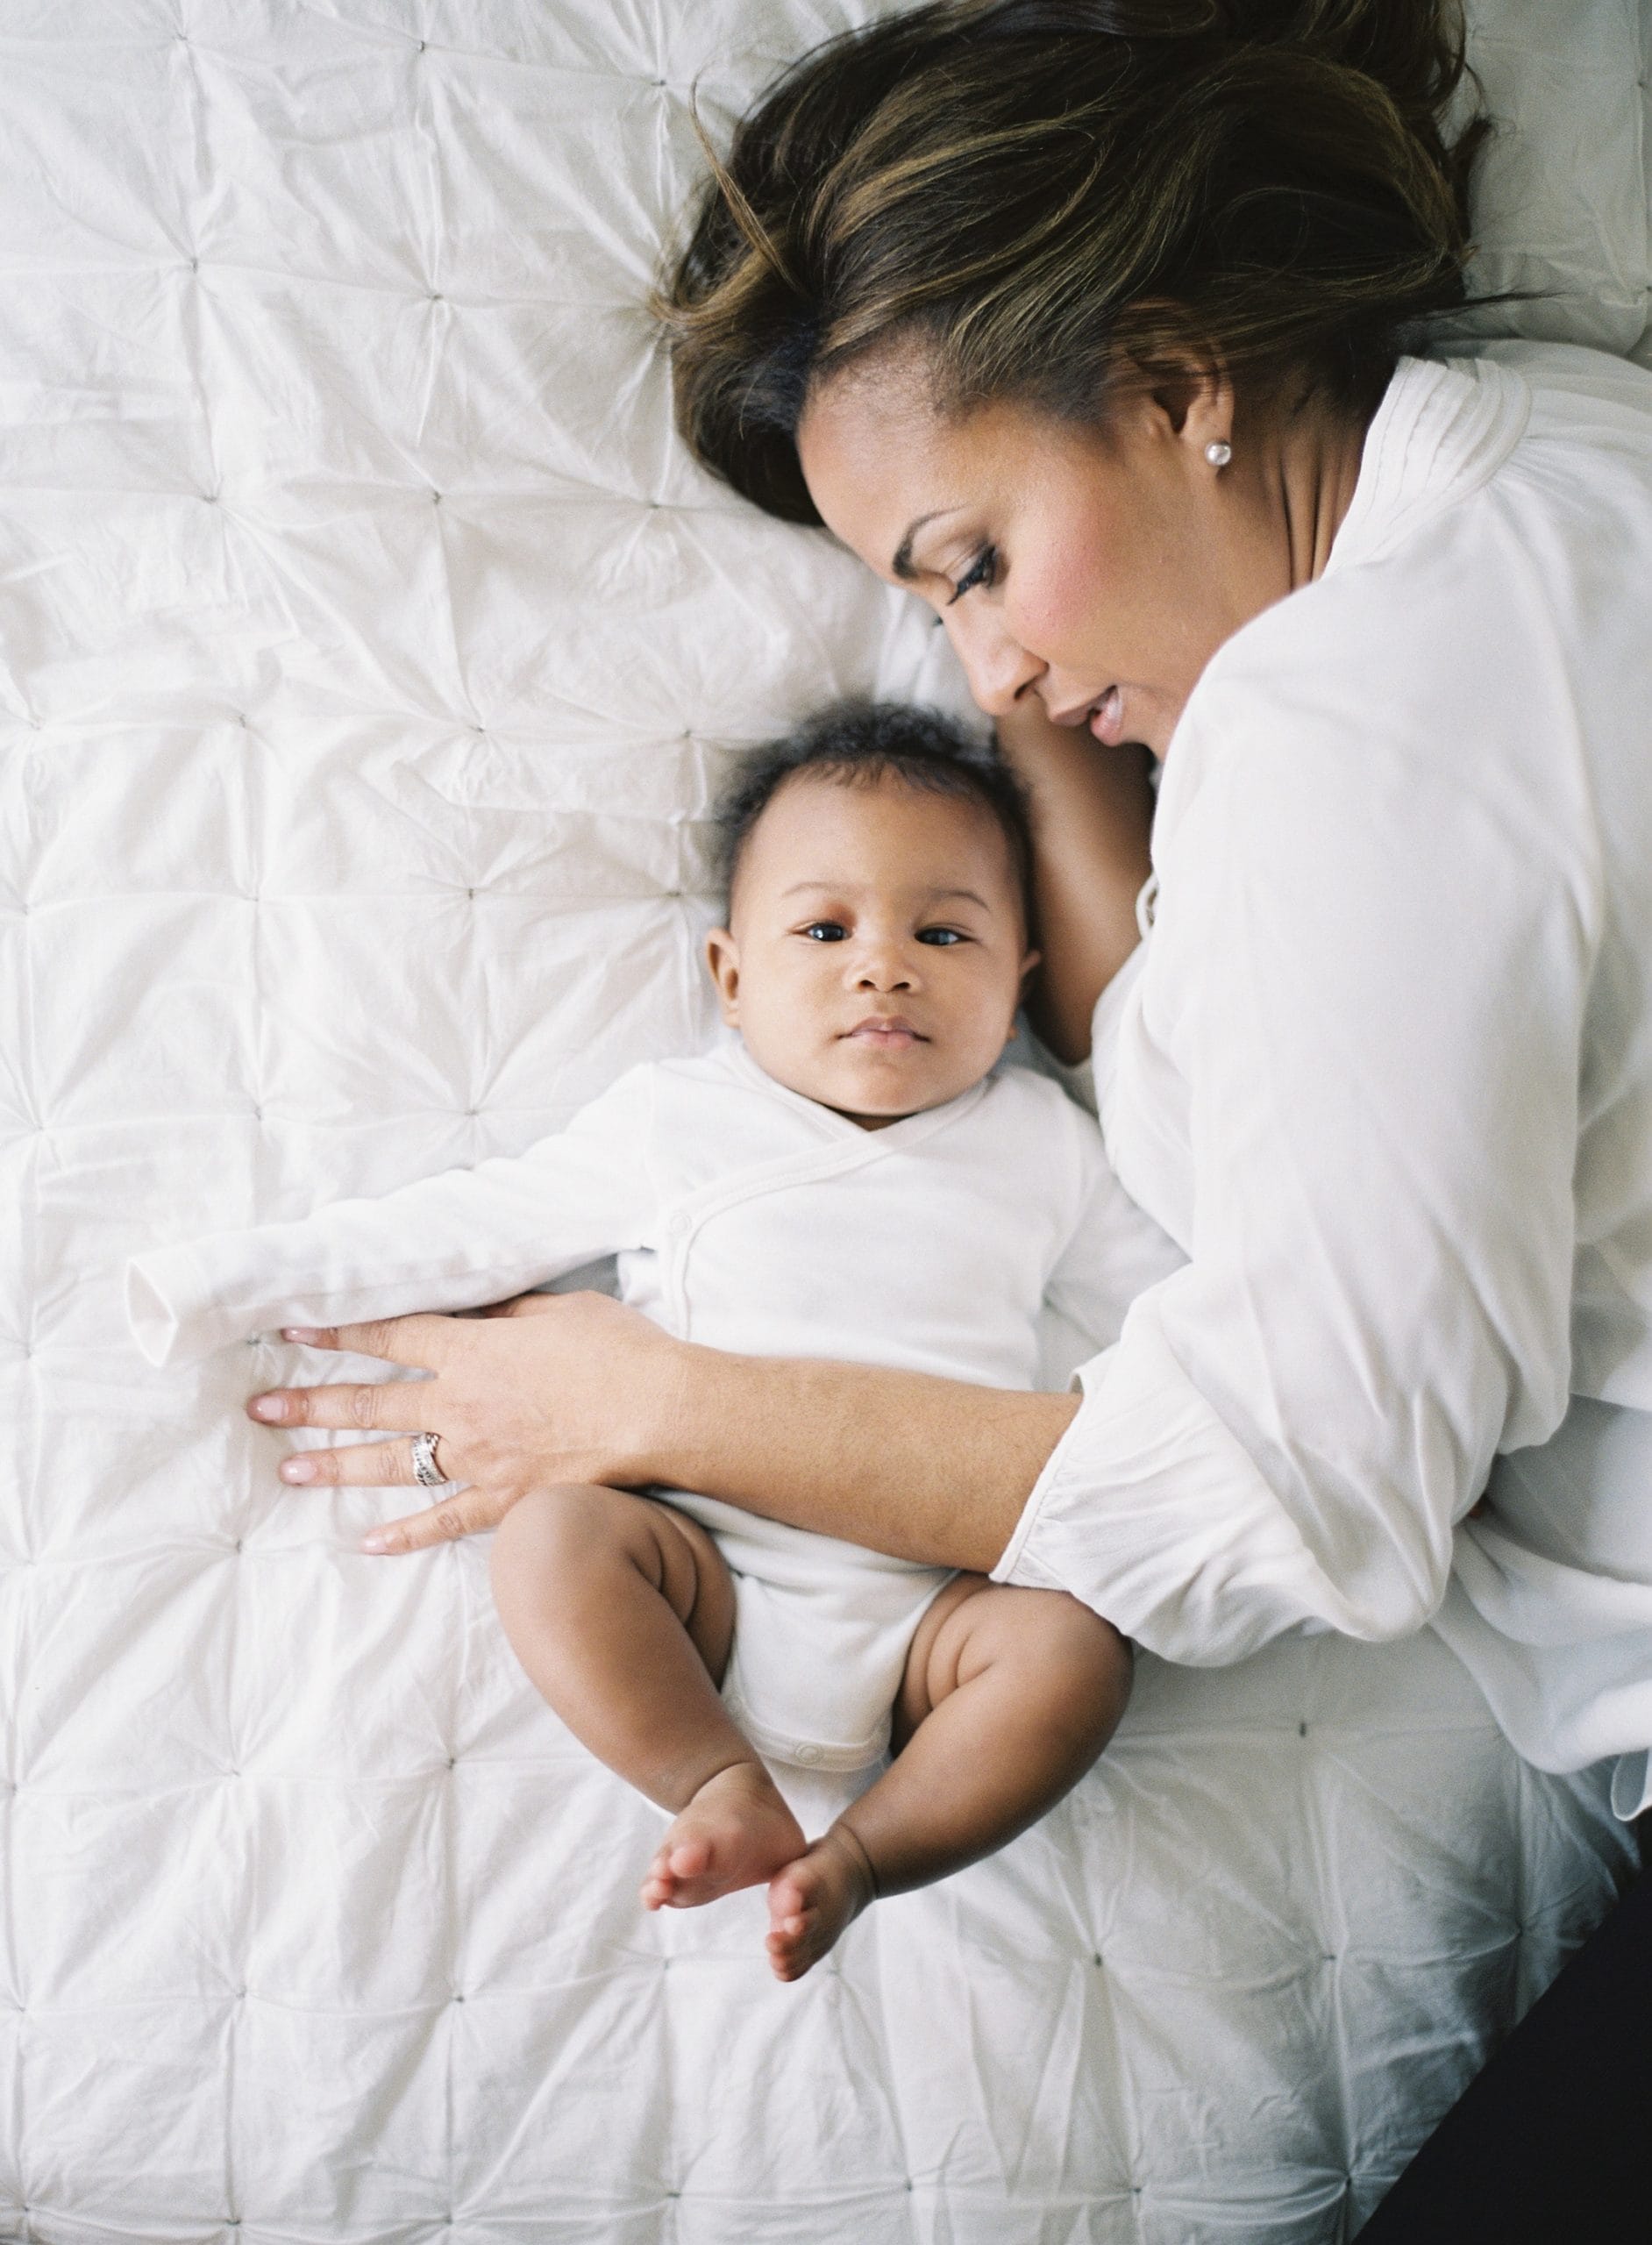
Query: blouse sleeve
[
  {"x": 1369, "y": 970},
  {"x": 449, "y": 1242}
]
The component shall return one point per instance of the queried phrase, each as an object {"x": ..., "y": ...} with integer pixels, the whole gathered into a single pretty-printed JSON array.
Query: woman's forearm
[
  {"x": 930, "y": 1469},
  {"x": 1092, "y": 813}
]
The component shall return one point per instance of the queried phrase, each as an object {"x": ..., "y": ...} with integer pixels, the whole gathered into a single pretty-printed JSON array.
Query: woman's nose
[{"x": 998, "y": 667}]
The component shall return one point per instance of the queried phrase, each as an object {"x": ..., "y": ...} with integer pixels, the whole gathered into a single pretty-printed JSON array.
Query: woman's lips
[{"x": 1106, "y": 718}]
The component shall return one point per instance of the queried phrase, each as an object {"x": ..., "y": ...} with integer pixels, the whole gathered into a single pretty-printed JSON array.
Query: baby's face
[{"x": 876, "y": 947}]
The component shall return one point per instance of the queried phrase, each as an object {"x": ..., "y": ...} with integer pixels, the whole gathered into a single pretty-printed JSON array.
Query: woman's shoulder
[
  {"x": 1579, "y": 394},
  {"x": 1492, "y": 589}
]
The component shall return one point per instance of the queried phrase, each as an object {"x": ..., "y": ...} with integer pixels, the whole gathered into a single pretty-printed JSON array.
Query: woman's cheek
[{"x": 1065, "y": 613}]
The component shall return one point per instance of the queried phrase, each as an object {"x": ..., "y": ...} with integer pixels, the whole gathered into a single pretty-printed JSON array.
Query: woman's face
[{"x": 1098, "y": 572}]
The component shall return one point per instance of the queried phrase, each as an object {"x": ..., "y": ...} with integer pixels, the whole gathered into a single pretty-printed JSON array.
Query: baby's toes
[
  {"x": 662, "y": 1884},
  {"x": 797, "y": 1938},
  {"x": 687, "y": 1858},
  {"x": 793, "y": 1894},
  {"x": 792, "y": 1947}
]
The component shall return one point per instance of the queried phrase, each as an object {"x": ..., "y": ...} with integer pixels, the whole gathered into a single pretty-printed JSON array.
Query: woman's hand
[
  {"x": 573, "y": 1388},
  {"x": 1092, "y": 820},
  {"x": 544, "y": 1389}
]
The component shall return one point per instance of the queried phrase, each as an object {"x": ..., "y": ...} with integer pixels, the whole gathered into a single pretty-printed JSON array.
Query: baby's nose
[{"x": 885, "y": 969}]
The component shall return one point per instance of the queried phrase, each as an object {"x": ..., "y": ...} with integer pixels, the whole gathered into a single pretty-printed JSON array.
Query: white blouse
[{"x": 1383, "y": 1067}]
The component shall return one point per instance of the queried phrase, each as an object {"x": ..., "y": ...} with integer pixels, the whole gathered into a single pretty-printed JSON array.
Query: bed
[{"x": 369, "y": 655}]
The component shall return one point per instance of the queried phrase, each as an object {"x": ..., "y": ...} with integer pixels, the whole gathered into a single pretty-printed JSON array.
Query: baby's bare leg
[
  {"x": 1009, "y": 1696},
  {"x": 622, "y": 1612}
]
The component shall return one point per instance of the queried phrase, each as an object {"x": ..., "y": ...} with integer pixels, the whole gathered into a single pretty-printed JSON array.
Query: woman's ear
[
  {"x": 1192, "y": 388},
  {"x": 722, "y": 959},
  {"x": 1208, "y": 423}
]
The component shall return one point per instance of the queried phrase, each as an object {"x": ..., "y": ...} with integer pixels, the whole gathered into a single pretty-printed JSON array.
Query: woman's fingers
[
  {"x": 382, "y": 1403},
  {"x": 360, "y": 1466},
  {"x": 553, "y": 1388},
  {"x": 418, "y": 1339},
  {"x": 467, "y": 1513}
]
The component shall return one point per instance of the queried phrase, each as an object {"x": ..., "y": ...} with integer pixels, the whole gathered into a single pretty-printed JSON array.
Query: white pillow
[{"x": 1562, "y": 192}]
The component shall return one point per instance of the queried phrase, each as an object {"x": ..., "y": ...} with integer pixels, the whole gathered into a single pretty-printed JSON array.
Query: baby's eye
[
  {"x": 941, "y": 935},
  {"x": 826, "y": 931},
  {"x": 982, "y": 571}
]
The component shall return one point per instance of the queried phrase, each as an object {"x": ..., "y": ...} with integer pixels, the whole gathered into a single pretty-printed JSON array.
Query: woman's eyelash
[{"x": 981, "y": 571}]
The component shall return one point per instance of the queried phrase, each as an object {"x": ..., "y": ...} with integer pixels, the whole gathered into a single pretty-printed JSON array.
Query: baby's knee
[
  {"x": 1047, "y": 1628},
  {"x": 549, "y": 1527}
]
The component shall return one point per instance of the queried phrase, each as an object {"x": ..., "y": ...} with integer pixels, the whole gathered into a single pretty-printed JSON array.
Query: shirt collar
[{"x": 1443, "y": 428}]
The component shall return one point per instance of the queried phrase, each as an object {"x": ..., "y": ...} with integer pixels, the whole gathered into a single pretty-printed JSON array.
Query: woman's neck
[{"x": 1318, "y": 452}]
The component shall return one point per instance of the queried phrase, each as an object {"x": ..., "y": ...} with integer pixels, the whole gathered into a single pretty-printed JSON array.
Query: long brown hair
[{"x": 1054, "y": 196}]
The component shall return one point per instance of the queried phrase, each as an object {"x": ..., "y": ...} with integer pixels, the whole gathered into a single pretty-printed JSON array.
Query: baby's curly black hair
[{"x": 858, "y": 743}]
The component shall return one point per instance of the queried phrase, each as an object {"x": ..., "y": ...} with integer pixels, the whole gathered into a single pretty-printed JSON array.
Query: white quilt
[{"x": 369, "y": 654}]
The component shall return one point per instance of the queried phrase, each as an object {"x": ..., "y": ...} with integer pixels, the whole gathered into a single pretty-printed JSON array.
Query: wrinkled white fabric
[
  {"x": 742, "y": 1216},
  {"x": 370, "y": 653},
  {"x": 1384, "y": 1067}
]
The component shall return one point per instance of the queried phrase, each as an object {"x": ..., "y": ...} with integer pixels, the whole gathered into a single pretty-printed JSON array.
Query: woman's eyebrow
[{"x": 901, "y": 565}]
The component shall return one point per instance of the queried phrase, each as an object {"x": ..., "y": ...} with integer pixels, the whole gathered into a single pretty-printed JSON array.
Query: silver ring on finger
[{"x": 426, "y": 1472}]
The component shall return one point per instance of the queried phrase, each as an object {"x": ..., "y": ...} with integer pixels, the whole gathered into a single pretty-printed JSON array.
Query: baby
[{"x": 852, "y": 1175}]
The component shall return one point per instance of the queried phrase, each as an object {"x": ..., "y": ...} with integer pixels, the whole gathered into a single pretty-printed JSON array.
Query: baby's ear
[
  {"x": 722, "y": 959},
  {"x": 1033, "y": 958}
]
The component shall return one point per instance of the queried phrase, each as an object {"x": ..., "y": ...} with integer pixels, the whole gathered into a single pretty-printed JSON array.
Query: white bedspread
[{"x": 368, "y": 656}]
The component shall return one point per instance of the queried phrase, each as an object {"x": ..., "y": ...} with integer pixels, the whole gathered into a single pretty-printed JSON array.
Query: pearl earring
[{"x": 1218, "y": 453}]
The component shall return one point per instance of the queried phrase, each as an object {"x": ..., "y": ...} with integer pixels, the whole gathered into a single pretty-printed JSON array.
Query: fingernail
[
  {"x": 269, "y": 1407},
  {"x": 296, "y": 1469},
  {"x": 375, "y": 1543},
  {"x": 300, "y": 1333}
]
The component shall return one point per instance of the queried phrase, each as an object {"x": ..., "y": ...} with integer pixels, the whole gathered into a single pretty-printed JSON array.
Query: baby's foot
[
  {"x": 813, "y": 1899},
  {"x": 735, "y": 1832}
]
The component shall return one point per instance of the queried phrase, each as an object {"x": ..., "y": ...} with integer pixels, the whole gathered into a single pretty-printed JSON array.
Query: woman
[{"x": 1090, "y": 323}]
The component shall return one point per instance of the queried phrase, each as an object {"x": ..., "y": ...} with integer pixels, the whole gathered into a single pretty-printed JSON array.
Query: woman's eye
[
  {"x": 981, "y": 571},
  {"x": 940, "y": 936},
  {"x": 826, "y": 931}
]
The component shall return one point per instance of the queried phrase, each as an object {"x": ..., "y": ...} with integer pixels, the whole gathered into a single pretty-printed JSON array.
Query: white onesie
[{"x": 750, "y": 1218}]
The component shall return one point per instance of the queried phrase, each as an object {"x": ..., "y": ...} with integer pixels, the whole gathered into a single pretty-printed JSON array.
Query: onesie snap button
[{"x": 808, "y": 1755}]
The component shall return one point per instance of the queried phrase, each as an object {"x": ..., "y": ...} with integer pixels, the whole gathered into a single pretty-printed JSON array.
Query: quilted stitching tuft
[{"x": 368, "y": 656}]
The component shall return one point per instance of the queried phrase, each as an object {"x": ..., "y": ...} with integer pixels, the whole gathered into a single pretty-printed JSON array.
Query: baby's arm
[
  {"x": 1092, "y": 811},
  {"x": 449, "y": 1242}
]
